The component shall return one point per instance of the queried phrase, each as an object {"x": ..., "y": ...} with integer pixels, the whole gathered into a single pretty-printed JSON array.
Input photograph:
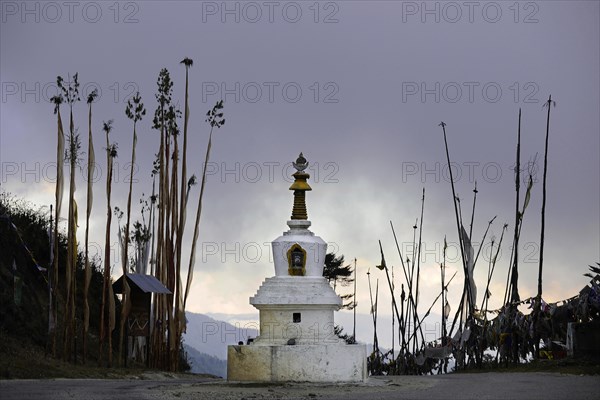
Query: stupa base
[{"x": 297, "y": 363}]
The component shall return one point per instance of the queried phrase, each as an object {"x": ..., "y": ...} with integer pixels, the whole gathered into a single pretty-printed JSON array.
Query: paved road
[
  {"x": 454, "y": 386},
  {"x": 86, "y": 389}
]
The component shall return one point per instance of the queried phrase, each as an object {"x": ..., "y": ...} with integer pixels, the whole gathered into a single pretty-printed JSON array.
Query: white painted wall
[
  {"x": 279, "y": 298},
  {"x": 277, "y": 326},
  {"x": 308, "y": 363},
  {"x": 315, "y": 248}
]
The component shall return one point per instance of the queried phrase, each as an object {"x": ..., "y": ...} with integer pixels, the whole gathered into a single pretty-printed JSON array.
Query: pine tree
[{"x": 335, "y": 272}]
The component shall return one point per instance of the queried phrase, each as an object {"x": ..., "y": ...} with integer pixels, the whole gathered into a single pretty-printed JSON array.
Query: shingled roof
[{"x": 146, "y": 283}]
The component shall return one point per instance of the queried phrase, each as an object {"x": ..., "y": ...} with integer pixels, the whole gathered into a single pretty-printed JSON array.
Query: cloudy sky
[{"x": 358, "y": 86}]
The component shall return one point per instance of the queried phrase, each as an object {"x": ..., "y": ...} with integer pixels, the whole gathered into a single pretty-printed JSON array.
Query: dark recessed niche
[{"x": 296, "y": 317}]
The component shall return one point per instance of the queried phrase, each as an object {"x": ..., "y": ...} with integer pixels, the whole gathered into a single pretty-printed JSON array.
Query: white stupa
[{"x": 297, "y": 340}]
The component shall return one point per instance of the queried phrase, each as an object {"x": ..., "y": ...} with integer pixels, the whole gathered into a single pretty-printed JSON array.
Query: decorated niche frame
[{"x": 296, "y": 256}]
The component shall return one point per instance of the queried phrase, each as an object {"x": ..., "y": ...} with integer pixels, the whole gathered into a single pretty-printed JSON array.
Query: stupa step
[{"x": 296, "y": 290}]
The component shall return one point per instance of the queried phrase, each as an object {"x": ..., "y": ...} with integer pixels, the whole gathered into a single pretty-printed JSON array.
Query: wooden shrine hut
[{"x": 139, "y": 321}]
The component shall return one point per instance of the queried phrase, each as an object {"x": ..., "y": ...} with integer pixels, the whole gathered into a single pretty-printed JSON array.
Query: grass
[
  {"x": 572, "y": 366},
  {"x": 21, "y": 359}
]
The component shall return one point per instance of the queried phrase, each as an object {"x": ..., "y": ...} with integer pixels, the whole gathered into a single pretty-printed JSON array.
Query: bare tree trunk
[
  {"x": 180, "y": 302},
  {"x": 88, "y": 271},
  {"x": 126, "y": 290},
  {"x": 104, "y": 330},
  {"x": 60, "y": 156},
  {"x": 543, "y": 229},
  {"x": 71, "y": 269},
  {"x": 174, "y": 316},
  {"x": 458, "y": 222},
  {"x": 355, "y": 304},
  {"x": 515, "y": 272},
  {"x": 158, "y": 309},
  {"x": 419, "y": 269}
]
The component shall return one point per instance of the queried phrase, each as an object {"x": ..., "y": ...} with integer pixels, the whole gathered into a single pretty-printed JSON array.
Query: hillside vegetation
[{"x": 24, "y": 263}]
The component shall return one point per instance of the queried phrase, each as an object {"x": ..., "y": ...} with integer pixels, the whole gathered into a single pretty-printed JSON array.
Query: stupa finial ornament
[
  {"x": 300, "y": 186},
  {"x": 301, "y": 163}
]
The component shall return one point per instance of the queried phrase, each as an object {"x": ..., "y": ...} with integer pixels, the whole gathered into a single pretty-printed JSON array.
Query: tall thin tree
[
  {"x": 71, "y": 93},
  {"x": 383, "y": 266},
  {"x": 493, "y": 260},
  {"x": 179, "y": 307},
  {"x": 514, "y": 292},
  {"x": 105, "y": 329},
  {"x": 58, "y": 196},
  {"x": 419, "y": 265},
  {"x": 215, "y": 119},
  {"x": 163, "y": 97},
  {"x": 88, "y": 271},
  {"x": 375, "y": 360},
  {"x": 135, "y": 111},
  {"x": 548, "y": 104},
  {"x": 458, "y": 221},
  {"x": 355, "y": 304}
]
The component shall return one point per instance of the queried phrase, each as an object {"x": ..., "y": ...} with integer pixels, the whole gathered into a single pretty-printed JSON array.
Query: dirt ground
[{"x": 493, "y": 385}]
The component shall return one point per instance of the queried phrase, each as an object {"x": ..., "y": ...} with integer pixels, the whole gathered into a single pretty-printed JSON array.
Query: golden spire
[{"x": 300, "y": 186}]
